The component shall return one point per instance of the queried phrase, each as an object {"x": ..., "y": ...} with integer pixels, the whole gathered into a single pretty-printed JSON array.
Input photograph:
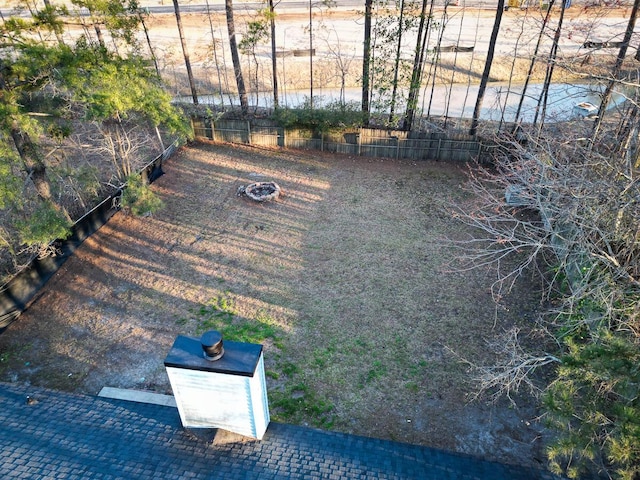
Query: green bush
[
  {"x": 138, "y": 198},
  {"x": 45, "y": 224},
  {"x": 595, "y": 403},
  {"x": 321, "y": 120}
]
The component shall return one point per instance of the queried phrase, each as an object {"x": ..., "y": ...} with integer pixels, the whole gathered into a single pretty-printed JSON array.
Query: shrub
[
  {"x": 138, "y": 198},
  {"x": 45, "y": 224},
  {"x": 321, "y": 120}
]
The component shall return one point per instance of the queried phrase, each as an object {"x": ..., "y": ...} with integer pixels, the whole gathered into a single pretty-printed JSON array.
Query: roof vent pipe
[{"x": 212, "y": 348}]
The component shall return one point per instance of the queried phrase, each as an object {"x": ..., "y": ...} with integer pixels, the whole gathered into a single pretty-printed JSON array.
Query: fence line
[
  {"x": 367, "y": 142},
  {"x": 18, "y": 292}
]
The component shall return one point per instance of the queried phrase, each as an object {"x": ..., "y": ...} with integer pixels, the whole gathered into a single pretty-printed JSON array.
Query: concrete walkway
[{"x": 57, "y": 435}]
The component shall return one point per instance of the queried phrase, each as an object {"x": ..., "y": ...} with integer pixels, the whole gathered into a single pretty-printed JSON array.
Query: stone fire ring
[{"x": 262, "y": 191}]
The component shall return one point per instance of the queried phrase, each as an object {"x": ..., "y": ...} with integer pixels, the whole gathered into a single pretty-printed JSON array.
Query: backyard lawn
[{"x": 349, "y": 280}]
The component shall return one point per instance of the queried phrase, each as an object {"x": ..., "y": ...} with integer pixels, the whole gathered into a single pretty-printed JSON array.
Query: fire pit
[{"x": 260, "y": 191}]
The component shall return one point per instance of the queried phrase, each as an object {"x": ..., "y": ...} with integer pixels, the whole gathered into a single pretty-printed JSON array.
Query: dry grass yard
[{"x": 347, "y": 280}]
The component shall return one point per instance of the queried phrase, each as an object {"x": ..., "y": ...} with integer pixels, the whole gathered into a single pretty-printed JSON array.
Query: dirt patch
[{"x": 346, "y": 276}]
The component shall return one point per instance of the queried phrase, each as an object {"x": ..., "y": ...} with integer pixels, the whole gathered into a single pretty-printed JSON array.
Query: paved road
[
  {"x": 166, "y": 6},
  {"x": 68, "y": 436}
]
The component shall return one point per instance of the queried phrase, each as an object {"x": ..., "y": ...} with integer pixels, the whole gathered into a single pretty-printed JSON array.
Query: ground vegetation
[
  {"x": 66, "y": 108},
  {"x": 568, "y": 212},
  {"x": 346, "y": 280},
  {"x": 559, "y": 203}
]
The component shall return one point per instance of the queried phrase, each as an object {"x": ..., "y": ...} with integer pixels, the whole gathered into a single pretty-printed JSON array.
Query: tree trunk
[
  {"x": 397, "y": 62},
  {"x": 418, "y": 63},
  {"x": 35, "y": 168},
  {"x": 233, "y": 44},
  {"x": 187, "y": 63},
  {"x": 58, "y": 34},
  {"x": 33, "y": 164},
  {"x": 533, "y": 62},
  {"x": 544, "y": 96},
  {"x": 310, "y": 55},
  {"x": 96, "y": 28},
  {"x": 616, "y": 71},
  {"x": 366, "y": 60},
  {"x": 436, "y": 60},
  {"x": 487, "y": 68},
  {"x": 32, "y": 161},
  {"x": 274, "y": 62},
  {"x": 146, "y": 34},
  {"x": 215, "y": 56}
]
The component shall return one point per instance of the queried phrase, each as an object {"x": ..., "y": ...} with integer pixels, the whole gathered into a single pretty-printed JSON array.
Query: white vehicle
[{"x": 585, "y": 110}]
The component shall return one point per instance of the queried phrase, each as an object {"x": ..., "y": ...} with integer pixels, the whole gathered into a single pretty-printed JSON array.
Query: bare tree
[
  {"x": 146, "y": 34},
  {"x": 569, "y": 213},
  {"x": 343, "y": 60},
  {"x": 444, "y": 18},
  {"x": 125, "y": 144},
  {"x": 532, "y": 63},
  {"x": 396, "y": 69},
  {"x": 185, "y": 52},
  {"x": 274, "y": 57},
  {"x": 514, "y": 372},
  {"x": 366, "y": 59},
  {"x": 235, "y": 57},
  {"x": 418, "y": 63},
  {"x": 487, "y": 68},
  {"x": 551, "y": 63},
  {"x": 616, "y": 69},
  {"x": 214, "y": 43}
]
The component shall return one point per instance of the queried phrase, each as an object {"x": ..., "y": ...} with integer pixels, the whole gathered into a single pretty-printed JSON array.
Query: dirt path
[{"x": 346, "y": 278}]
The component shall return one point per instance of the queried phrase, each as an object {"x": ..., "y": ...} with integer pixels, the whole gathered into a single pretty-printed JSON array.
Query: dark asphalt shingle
[{"x": 68, "y": 436}]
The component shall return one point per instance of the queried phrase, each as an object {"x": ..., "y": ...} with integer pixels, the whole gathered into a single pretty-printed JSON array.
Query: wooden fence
[
  {"x": 16, "y": 294},
  {"x": 365, "y": 142}
]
